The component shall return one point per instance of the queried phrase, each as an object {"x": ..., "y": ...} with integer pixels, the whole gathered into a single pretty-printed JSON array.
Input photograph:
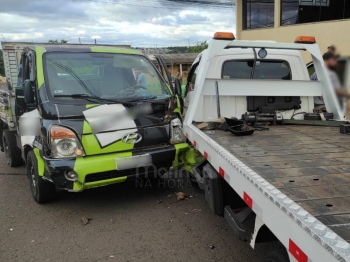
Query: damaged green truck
[{"x": 83, "y": 116}]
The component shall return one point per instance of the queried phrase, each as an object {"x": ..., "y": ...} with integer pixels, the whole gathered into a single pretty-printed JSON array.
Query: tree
[
  {"x": 199, "y": 47},
  {"x": 2, "y": 67},
  {"x": 56, "y": 41}
]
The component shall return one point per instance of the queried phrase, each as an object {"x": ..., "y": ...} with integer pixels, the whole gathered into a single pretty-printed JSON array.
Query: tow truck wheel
[
  {"x": 42, "y": 191},
  {"x": 12, "y": 152},
  {"x": 278, "y": 255}
]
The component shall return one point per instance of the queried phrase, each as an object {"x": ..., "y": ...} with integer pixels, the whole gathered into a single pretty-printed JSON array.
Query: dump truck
[
  {"x": 274, "y": 169},
  {"x": 84, "y": 116}
]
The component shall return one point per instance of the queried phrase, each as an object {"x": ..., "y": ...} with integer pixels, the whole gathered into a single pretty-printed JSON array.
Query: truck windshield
[{"x": 103, "y": 75}]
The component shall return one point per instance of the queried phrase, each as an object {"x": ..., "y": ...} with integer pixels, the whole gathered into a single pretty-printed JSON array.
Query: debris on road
[
  {"x": 159, "y": 201},
  {"x": 11, "y": 229},
  {"x": 211, "y": 246},
  {"x": 180, "y": 195},
  {"x": 85, "y": 220},
  {"x": 169, "y": 195}
]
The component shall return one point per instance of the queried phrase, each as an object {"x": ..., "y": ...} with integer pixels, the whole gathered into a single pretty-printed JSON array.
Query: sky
[{"x": 129, "y": 22}]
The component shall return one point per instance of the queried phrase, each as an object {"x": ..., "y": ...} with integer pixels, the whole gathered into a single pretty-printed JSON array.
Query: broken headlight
[{"x": 177, "y": 136}]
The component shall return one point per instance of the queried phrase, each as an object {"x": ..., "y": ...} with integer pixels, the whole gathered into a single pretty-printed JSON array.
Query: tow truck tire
[
  {"x": 278, "y": 255},
  {"x": 12, "y": 152},
  {"x": 42, "y": 191}
]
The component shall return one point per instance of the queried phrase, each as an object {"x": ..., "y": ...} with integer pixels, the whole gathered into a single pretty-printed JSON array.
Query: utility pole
[
  {"x": 95, "y": 42},
  {"x": 79, "y": 41}
]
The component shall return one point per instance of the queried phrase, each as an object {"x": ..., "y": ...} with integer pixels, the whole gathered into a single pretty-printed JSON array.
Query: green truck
[{"x": 84, "y": 116}]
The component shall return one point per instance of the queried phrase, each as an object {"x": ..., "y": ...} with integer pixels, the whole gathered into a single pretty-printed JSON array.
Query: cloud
[{"x": 127, "y": 23}]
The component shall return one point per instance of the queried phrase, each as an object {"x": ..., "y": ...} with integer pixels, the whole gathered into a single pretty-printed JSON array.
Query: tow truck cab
[{"x": 89, "y": 116}]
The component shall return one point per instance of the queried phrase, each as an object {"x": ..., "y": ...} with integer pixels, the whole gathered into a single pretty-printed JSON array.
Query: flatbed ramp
[{"x": 309, "y": 164}]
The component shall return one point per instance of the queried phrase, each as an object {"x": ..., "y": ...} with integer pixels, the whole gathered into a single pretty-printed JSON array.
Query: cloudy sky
[{"x": 142, "y": 23}]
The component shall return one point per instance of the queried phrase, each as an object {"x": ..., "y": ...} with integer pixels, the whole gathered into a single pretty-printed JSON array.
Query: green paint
[
  {"x": 186, "y": 157},
  {"x": 92, "y": 147},
  {"x": 92, "y": 165},
  {"x": 178, "y": 108},
  {"x": 114, "y": 50},
  {"x": 41, "y": 164},
  {"x": 39, "y": 51},
  {"x": 91, "y": 105},
  {"x": 105, "y": 182},
  {"x": 179, "y": 149},
  {"x": 9, "y": 112}
]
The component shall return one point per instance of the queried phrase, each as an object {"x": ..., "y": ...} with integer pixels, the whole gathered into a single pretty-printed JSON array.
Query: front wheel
[{"x": 42, "y": 190}]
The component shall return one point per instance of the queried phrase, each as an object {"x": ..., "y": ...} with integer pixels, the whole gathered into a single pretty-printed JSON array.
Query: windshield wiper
[
  {"x": 88, "y": 98},
  {"x": 151, "y": 99}
]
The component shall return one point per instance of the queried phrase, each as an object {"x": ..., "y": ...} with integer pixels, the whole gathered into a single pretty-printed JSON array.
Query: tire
[
  {"x": 12, "y": 152},
  {"x": 278, "y": 255},
  {"x": 42, "y": 191}
]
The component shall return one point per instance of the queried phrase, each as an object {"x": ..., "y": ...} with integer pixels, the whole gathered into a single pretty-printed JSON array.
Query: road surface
[{"x": 129, "y": 223}]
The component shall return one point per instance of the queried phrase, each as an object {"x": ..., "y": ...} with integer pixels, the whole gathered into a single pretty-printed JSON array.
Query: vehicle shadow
[{"x": 131, "y": 192}]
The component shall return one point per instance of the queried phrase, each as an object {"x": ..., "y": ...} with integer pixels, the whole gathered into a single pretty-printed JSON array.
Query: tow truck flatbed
[
  {"x": 309, "y": 164},
  {"x": 293, "y": 178}
]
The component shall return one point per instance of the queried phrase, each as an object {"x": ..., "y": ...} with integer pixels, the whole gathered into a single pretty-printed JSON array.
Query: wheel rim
[{"x": 7, "y": 151}]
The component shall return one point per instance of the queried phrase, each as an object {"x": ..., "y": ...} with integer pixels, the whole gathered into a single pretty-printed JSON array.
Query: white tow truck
[{"x": 292, "y": 179}]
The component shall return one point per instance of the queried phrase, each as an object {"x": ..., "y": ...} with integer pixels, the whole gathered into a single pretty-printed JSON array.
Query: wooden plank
[
  {"x": 312, "y": 180},
  {"x": 300, "y": 172},
  {"x": 316, "y": 192},
  {"x": 327, "y": 206}
]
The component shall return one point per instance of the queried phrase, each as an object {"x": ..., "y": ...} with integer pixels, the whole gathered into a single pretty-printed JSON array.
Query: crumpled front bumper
[{"x": 106, "y": 169}]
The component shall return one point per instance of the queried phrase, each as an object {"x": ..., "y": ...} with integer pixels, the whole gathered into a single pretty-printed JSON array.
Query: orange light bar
[
  {"x": 58, "y": 132},
  {"x": 305, "y": 40},
  {"x": 224, "y": 36}
]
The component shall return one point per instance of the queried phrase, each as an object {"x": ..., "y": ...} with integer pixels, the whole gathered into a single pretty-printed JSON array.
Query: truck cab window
[
  {"x": 266, "y": 69},
  {"x": 26, "y": 71}
]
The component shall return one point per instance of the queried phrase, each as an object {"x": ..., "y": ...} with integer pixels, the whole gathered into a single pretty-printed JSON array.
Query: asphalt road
[{"x": 128, "y": 224}]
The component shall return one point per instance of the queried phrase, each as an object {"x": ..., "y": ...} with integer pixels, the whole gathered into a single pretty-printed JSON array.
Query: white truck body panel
[{"x": 285, "y": 218}]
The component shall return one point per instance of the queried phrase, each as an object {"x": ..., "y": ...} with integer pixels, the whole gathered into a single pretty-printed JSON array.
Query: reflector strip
[
  {"x": 221, "y": 172},
  {"x": 206, "y": 155},
  {"x": 299, "y": 255},
  {"x": 186, "y": 135},
  {"x": 194, "y": 143},
  {"x": 247, "y": 199}
]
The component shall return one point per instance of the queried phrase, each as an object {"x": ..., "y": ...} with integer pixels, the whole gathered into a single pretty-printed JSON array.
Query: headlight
[
  {"x": 177, "y": 136},
  {"x": 64, "y": 143}
]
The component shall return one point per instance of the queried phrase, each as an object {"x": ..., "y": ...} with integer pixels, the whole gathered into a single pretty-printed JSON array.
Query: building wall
[{"x": 326, "y": 33}]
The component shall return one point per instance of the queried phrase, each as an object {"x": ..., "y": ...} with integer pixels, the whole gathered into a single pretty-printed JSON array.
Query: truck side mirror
[
  {"x": 28, "y": 92},
  {"x": 178, "y": 90}
]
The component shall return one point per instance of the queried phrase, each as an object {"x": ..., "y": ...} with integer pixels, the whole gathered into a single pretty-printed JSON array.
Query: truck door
[
  {"x": 164, "y": 70},
  {"x": 176, "y": 91},
  {"x": 27, "y": 73}
]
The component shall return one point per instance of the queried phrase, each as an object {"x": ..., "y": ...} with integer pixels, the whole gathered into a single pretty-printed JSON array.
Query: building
[
  {"x": 176, "y": 62},
  {"x": 284, "y": 20}
]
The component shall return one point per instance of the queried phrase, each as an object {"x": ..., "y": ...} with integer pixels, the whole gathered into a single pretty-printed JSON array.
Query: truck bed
[{"x": 309, "y": 164}]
